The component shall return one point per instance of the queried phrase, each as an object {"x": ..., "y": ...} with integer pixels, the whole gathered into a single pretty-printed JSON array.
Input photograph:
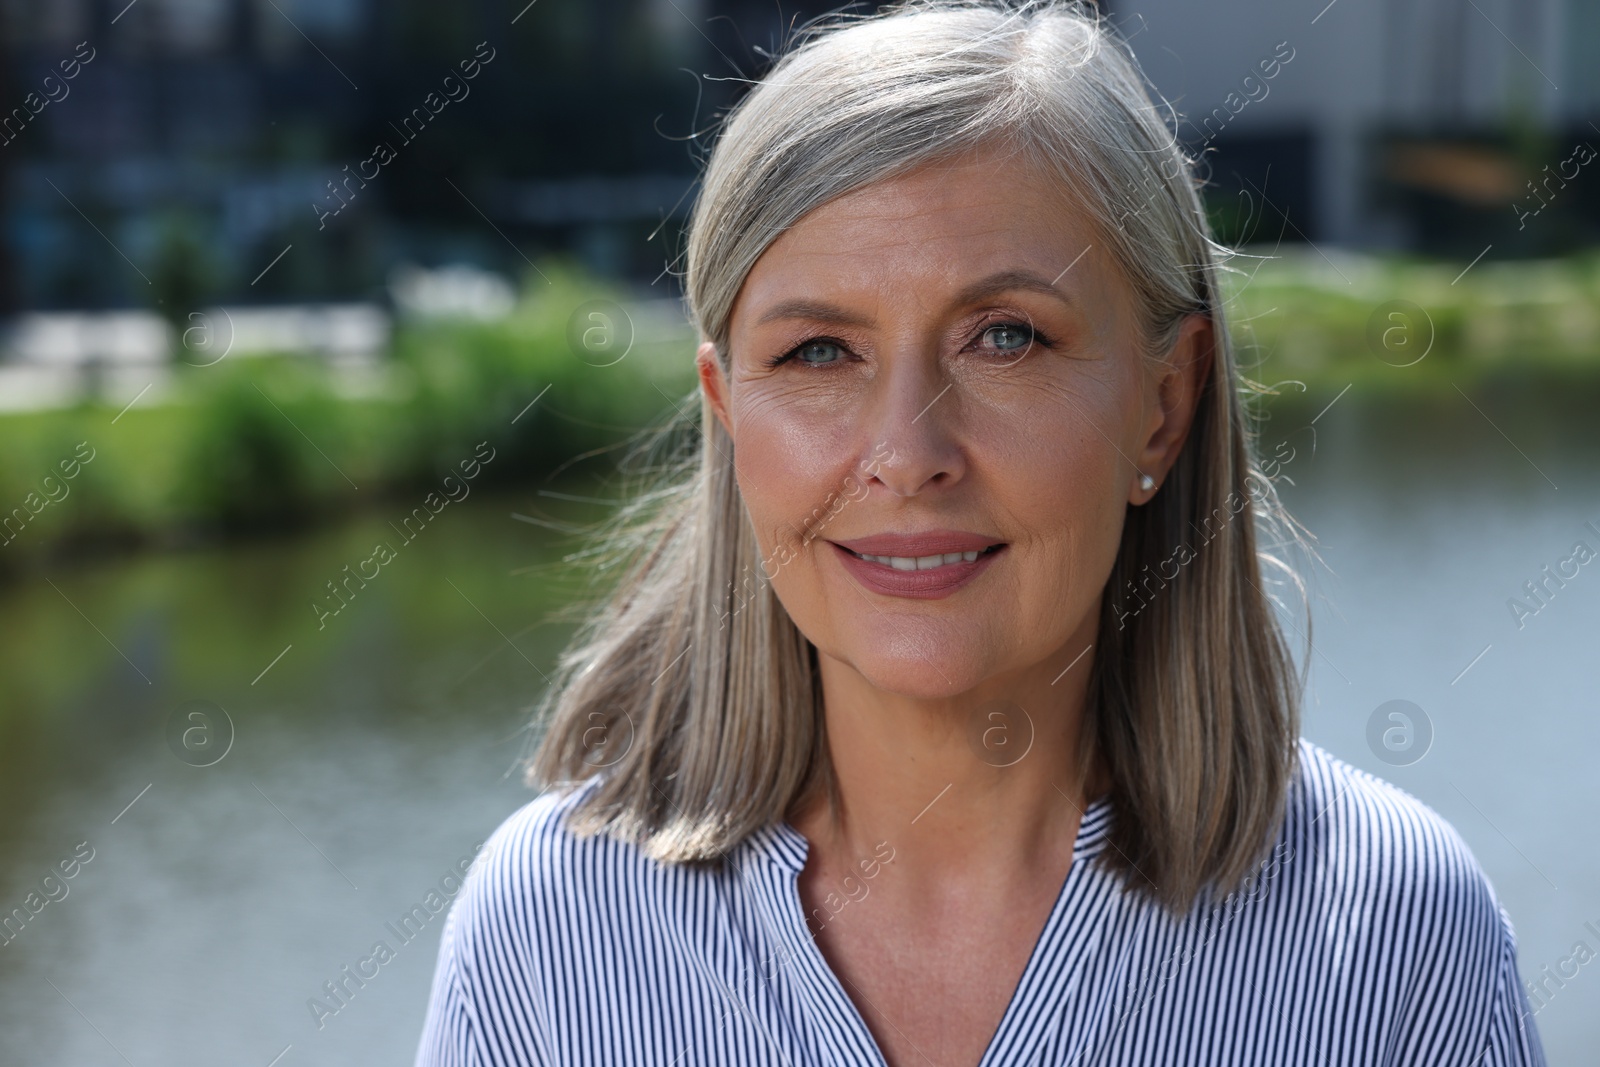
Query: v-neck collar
[{"x": 1054, "y": 966}]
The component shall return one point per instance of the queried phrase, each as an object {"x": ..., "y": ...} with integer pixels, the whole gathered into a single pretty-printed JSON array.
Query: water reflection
[{"x": 369, "y": 756}]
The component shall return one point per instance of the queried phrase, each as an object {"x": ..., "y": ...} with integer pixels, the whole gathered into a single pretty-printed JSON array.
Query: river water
[{"x": 355, "y": 759}]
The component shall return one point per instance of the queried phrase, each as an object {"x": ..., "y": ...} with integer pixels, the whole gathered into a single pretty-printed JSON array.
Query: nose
[{"x": 914, "y": 418}]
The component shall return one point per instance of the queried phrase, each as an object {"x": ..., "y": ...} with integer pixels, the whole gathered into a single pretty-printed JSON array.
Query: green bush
[
  {"x": 262, "y": 443},
  {"x": 252, "y": 460}
]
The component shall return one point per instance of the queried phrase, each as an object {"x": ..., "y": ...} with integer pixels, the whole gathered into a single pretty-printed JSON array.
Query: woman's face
[{"x": 933, "y": 366}]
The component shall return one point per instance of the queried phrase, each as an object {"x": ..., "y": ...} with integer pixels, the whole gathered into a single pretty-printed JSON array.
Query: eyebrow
[
  {"x": 1000, "y": 282},
  {"x": 814, "y": 310},
  {"x": 1011, "y": 280}
]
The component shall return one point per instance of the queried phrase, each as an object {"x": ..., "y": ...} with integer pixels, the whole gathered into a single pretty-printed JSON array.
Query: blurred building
[
  {"x": 173, "y": 154},
  {"x": 194, "y": 141},
  {"x": 1402, "y": 123}
]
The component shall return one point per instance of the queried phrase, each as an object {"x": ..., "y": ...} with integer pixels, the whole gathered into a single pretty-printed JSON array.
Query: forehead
[{"x": 937, "y": 228}]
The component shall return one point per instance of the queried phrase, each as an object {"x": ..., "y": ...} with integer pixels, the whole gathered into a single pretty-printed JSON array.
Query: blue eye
[
  {"x": 1009, "y": 337},
  {"x": 815, "y": 352}
]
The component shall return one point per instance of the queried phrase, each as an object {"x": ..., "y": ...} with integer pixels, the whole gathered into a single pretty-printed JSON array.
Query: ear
[
  {"x": 713, "y": 383},
  {"x": 1172, "y": 398}
]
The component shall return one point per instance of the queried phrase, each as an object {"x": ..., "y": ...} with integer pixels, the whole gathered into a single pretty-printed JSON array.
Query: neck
[{"x": 983, "y": 780}]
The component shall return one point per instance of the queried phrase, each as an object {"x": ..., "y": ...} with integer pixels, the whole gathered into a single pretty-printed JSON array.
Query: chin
[{"x": 895, "y": 658}]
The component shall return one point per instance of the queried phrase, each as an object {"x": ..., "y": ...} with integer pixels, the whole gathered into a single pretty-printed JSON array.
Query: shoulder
[
  {"x": 1391, "y": 861},
  {"x": 1358, "y": 820},
  {"x": 533, "y": 854},
  {"x": 524, "y": 901},
  {"x": 534, "y": 829},
  {"x": 539, "y": 885},
  {"x": 1399, "y": 897},
  {"x": 491, "y": 953}
]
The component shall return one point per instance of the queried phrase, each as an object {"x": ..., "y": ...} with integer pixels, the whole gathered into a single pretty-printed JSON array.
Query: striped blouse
[{"x": 1370, "y": 937}]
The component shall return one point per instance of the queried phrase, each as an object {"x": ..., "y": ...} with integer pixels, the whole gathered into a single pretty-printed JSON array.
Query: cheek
[
  {"x": 1054, "y": 465},
  {"x": 1055, "y": 441},
  {"x": 789, "y": 465},
  {"x": 1057, "y": 488}
]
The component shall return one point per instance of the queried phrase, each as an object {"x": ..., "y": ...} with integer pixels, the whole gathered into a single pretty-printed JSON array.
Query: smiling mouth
[{"x": 926, "y": 563}]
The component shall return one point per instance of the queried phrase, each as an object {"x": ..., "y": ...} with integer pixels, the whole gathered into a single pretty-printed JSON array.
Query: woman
[{"x": 942, "y": 718}]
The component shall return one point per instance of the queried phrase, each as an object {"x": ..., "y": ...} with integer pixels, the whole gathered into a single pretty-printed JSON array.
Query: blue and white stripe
[{"x": 1375, "y": 938}]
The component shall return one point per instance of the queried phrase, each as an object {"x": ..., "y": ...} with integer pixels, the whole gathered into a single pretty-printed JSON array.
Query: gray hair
[{"x": 1192, "y": 701}]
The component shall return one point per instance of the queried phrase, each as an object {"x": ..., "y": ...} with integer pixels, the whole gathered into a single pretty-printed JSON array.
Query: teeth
[{"x": 922, "y": 563}]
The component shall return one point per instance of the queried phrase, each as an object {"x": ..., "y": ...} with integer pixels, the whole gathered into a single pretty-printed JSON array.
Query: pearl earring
[{"x": 1146, "y": 482}]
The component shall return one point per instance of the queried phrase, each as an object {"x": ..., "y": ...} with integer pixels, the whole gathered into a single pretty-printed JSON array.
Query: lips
[
  {"x": 922, "y": 566},
  {"x": 915, "y": 545}
]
